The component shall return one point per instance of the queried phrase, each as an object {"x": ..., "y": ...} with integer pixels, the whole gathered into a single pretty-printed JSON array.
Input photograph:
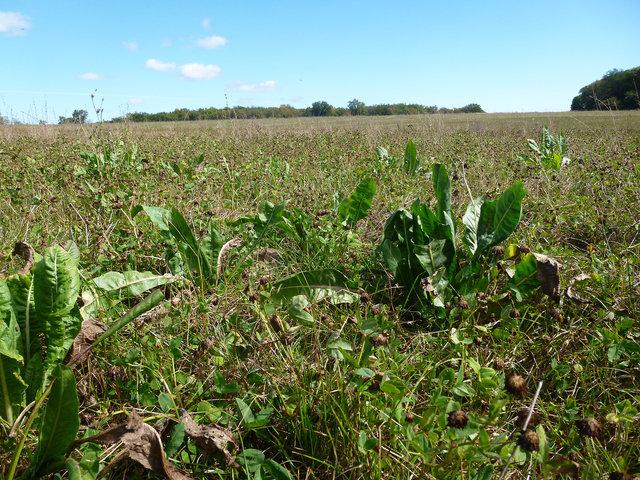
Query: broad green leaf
[
  {"x": 357, "y": 205},
  {"x": 317, "y": 285},
  {"x": 410, "y": 158},
  {"x": 425, "y": 220},
  {"x": 508, "y": 209},
  {"x": 59, "y": 425},
  {"x": 391, "y": 255},
  {"x": 187, "y": 244},
  {"x": 56, "y": 284},
  {"x": 175, "y": 440},
  {"x": 442, "y": 187},
  {"x": 485, "y": 473},
  {"x": 159, "y": 217},
  {"x": 251, "y": 459},
  {"x": 12, "y": 386},
  {"x": 277, "y": 471},
  {"x": 245, "y": 410},
  {"x": 31, "y": 327},
  {"x": 484, "y": 237},
  {"x": 431, "y": 256},
  {"x": 470, "y": 220},
  {"x": 525, "y": 278},
  {"x": 297, "y": 310},
  {"x": 130, "y": 283}
]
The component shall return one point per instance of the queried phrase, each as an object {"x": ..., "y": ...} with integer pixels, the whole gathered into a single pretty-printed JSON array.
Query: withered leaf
[
  {"x": 24, "y": 251},
  {"x": 223, "y": 254},
  {"x": 210, "y": 439},
  {"x": 548, "y": 275},
  {"x": 81, "y": 348},
  {"x": 142, "y": 443}
]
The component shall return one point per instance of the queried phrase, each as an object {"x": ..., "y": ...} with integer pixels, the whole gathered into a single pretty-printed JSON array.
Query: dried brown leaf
[
  {"x": 24, "y": 251},
  {"x": 142, "y": 443},
  {"x": 89, "y": 331},
  {"x": 210, "y": 439},
  {"x": 548, "y": 275}
]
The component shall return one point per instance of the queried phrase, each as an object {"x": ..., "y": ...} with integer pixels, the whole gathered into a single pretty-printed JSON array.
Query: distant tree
[
  {"x": 321, "y": 109},
  {"x": 77, "y": 116},
  {"x": 617, "y": 89},
  {"x": 471, "y": 108},
  {"x": 356, "y": 107}
]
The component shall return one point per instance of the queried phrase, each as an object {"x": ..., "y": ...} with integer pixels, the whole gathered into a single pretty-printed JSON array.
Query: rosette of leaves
[{"x": 419, "y": 244}]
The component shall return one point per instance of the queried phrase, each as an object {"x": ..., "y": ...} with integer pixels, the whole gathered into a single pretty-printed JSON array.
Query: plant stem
[{"x": 30, "y": 420}]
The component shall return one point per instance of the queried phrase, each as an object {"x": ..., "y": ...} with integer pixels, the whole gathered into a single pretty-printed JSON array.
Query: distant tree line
[
  {"x": 617, "y": 90},
  {"x": 317, "y": 109}
]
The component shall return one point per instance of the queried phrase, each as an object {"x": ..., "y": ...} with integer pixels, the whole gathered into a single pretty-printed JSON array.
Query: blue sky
[{"x": 157, "y": 56}]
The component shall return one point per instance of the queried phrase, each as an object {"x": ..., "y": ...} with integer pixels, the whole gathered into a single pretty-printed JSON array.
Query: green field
[{"x": 325, "y": 388}]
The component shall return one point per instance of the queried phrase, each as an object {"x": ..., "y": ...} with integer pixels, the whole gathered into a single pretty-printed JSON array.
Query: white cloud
[
  {"x": 265, "y": 86},
  {"x": 135, "y": 101},
  {"x": 206, "y": 23},
  {"x": 199, "y": 71},
  {"x": 213, "y": 41},
  {"x": 91, "y": 76},
  {"x": 131, "y": 46},
  {"x": 158, "y": 66},
  {"x": 14, "y": 23}
]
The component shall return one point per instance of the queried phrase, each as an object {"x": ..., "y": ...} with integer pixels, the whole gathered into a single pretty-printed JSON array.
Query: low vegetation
[{"x": 408, "y": 297}]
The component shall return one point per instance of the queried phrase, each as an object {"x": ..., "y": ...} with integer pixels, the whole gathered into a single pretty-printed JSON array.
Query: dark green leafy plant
[
  {"x": 357, "y": 205},
  {"x": 550, "y": 153},
  {"x": 419, "y": 245},
  {"x": 39, "y": 320}
]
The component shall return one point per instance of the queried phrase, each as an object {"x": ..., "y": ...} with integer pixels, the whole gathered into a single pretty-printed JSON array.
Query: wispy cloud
[
  {"x": 166, "y": 43},
  {"x": 199, "y": 71},
  {"x": 90, "y": 76},
  {"x": 14, "y": 24},
  {"x": 158, "y": 66},
  {"x": 266, "y": 86},
  {"x": 131, "y": 46},
  {"x": 135, "y": 101},
  {"x": 206, "y": 23},
  {"x": 214, "y": 41}
]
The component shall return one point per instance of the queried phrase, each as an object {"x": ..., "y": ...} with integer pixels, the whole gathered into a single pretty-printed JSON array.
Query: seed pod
[
  {"x": 523, "y": 249},
  {"x": 498, "y": 251},
  {"x": 262, "y": 281},
  {"x": 515, "y": 313},
  {"x": 498, "y": 363},
  {"x": 589, "y": 427},
  {"x": 364, "y": 297},
  {"x": 462, "y": 303},
  {"x": 529, "y": 441},
  {"x": 409, "y": 417},
  {"x": 457, "y": 419},
  {"x": 516, "y": 385},
  {"x": 522, "y": 417},
  {"x": 376, "y": 309}
]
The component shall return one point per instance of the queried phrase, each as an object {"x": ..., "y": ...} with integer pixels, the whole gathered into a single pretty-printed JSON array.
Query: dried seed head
[
  {"x": 262, "y": 281},
  {"x": 529, "y": 441},
  {"x": 380, "y": 340},
  {"x": 498, "y": 363},
  {"x": 515, "y": 313},
  {"x": 589, "y": 427},
  {"x": 498, "y": 251},
  {"x": 457, "y": 419},
  {"x": 376, "y": 309},
  {"x": 462, "y": 303},
  {"x": 523, "y": 249},
  {"x": 364, "y": 297},
  {"x": 253, "y": 298},
  {"x": 516, "y": 385},
  {"x": 522, "y": 417},
  {"x": 409, "y": 417},
  {"x": 276, "y": 323}
]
